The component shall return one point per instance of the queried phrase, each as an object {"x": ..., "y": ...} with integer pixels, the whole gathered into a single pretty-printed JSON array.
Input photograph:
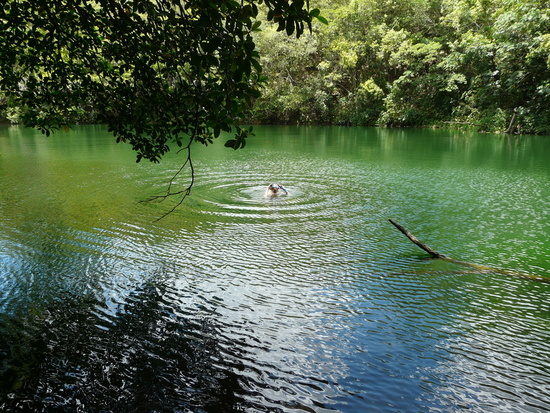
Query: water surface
[{"x": 306, "y": 303}]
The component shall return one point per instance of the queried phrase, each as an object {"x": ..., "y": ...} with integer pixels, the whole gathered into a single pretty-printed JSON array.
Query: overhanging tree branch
[{"x": 156, "y": 72}]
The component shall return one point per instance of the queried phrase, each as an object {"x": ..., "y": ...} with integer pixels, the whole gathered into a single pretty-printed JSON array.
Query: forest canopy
[{"x": 413, "y": 63}]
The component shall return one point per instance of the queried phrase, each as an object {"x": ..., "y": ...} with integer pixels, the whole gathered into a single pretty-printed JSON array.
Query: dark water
[{"x": 310, "y": 303}]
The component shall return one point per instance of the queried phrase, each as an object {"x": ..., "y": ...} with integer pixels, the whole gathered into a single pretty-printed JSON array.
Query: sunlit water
[{"x": 308, "y": 303}]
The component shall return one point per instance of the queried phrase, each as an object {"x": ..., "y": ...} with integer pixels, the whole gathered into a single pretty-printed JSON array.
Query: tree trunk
[{"x": 512, "y": 122}]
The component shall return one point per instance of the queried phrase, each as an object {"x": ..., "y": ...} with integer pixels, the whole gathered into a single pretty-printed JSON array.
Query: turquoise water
[{"x": 312, "y": 302}]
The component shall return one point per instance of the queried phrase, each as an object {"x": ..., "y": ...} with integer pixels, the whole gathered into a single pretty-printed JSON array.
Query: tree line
[
  {"x": 161, "y": 71},
  {"x": 413, "y": 63}
]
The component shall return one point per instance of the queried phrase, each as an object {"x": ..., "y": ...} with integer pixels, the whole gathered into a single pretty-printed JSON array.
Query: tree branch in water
[{"x": 481, "y": 268}]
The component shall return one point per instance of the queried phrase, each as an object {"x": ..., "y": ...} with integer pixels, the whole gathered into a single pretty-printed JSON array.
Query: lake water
[{"x": 308, "y": 303}]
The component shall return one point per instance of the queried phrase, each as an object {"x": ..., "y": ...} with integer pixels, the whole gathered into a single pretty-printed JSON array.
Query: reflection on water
[{"x": 311, "y": 302}]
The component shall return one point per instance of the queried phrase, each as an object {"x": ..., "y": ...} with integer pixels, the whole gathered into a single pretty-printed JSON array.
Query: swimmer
[{"x": 273, "y": 190}]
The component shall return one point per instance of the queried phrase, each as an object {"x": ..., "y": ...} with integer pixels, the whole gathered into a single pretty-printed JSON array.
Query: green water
[{"x": 311, "y": 302}]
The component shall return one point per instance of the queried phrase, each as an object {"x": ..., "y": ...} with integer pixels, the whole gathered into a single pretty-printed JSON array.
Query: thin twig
[{"x": 186, "y": 191}]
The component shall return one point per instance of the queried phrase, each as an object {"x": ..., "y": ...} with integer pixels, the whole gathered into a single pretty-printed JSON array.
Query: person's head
[{"x": 274, "y": 188}]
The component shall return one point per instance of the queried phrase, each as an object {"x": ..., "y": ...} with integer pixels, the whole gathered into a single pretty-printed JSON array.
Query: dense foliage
[
  {"x": 412, "y": 63},
  {"x": 157, "y": 72}
]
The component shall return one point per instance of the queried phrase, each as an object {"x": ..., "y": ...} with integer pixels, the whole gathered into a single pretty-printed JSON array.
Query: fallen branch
[
  {"x": 478, "y": 267},
  {"x": 415, "y": 240}
]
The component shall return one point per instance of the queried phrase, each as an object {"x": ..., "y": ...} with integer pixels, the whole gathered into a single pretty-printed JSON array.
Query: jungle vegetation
[
  {"x": 159, "y": 72},
  {"x": 406, "y": 63}
]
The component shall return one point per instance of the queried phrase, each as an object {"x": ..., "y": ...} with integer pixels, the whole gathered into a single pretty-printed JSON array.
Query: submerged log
[
  {"x": 478, "y": 267},
  {"x": 415, "y": 240}
]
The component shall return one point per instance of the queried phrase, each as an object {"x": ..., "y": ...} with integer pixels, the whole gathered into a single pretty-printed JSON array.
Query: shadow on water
[{"x": 147, "y": 358}]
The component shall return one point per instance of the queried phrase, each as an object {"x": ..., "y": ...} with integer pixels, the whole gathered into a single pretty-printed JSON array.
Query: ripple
[{"x": 310, "y": 302}]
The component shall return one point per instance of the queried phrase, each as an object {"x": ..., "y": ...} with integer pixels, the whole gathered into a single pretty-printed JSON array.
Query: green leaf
[
  {"x": 289, "y": 26},
  {"x": 321, "y": 19},
  {"x": 254, "y": 93},
  {"x": 230, "y": 143},
  {"x": 256, "y": 65},
  {"x": 256, "y": 26}
]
